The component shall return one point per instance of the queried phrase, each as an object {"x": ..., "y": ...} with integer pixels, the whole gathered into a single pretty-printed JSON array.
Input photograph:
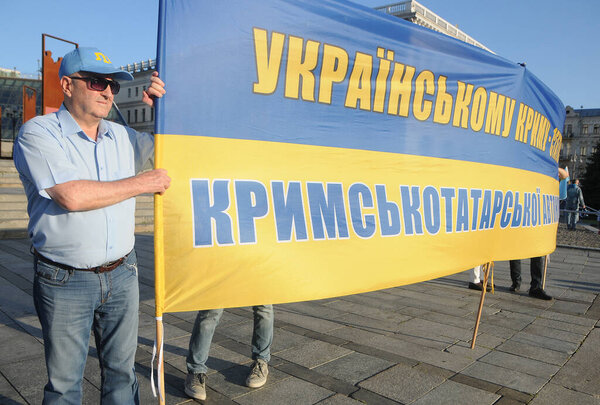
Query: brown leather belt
[{"x": 106, "y": 267}]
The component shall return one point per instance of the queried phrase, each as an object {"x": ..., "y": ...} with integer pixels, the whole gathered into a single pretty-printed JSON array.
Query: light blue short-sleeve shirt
[{"x": 52, "y": 149}]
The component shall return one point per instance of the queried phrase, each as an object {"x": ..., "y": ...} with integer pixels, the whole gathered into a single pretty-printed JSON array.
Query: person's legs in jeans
[
  {"x": 262, "y": 336},
  {"x": 64, "y": 301},
  {"x": 115, "y": 330},
  {"x": 569, "y": 220},
  {"x": 202, "y": 334}
]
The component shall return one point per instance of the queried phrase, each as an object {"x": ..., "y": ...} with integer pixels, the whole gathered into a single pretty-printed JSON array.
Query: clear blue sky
[{"x": 557, "y": 39}]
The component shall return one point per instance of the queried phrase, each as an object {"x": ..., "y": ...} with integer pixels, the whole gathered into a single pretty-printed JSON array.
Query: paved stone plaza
[{"x": 408, "y": 345}]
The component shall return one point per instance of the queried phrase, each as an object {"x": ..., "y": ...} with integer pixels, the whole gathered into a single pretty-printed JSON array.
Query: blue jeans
[
  {"x": 572, "y": 219},
  {"x": 69, "y": 305},
  {"x": 204, "y": 329}
]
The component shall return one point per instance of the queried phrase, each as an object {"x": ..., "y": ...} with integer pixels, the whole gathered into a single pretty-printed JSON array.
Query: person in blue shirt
[{"x": 81, "y": 174}]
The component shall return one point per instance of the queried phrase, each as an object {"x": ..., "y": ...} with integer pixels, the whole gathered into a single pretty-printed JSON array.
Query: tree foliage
[{"x": 591, "y": 180}]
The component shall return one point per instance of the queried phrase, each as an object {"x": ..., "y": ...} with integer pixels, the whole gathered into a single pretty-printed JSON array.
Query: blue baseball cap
[{"x": 87, "y": 59}]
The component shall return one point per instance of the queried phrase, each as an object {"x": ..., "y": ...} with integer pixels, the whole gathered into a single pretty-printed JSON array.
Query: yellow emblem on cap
[{"x": 100, "y": 56}]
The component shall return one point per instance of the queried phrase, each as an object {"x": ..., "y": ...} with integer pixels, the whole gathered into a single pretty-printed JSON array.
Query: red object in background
[
  {"x": 29, "y": 99},
  {"x": 52, "y": 95}
]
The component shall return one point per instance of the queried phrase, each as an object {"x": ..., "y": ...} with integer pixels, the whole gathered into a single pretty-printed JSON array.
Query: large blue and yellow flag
[{"x": 320, "y": 148}]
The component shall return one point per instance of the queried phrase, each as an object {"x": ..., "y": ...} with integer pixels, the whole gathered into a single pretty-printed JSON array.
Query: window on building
[
  {"x": 129, "y": 92},
  {"x": 129, "y": 115},
  {"x": 135, "y": 113},
  {"x": 137, "y": 91},
  {"x": 596, "y": 129},
  {"x": 584, "y": 130},
  {"x": 569, "y": 129},
  {"x": 593, "y": 150},
  {"x": 143, "y": 115},
  {"x": 583, "y": 150}
]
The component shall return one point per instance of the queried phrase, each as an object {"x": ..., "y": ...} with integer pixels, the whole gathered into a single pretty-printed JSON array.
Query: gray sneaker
[
  {"x": 195, "y": 385},
  {"x": 258, "y": 374}
]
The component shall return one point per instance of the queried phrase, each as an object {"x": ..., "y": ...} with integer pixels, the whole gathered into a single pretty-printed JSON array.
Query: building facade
[
  {"x": 415, "y": 12},
  {"x": 580, "y": 139},
  {"x": 11, "y": 105},
  {"x": 137, "y": 114}
]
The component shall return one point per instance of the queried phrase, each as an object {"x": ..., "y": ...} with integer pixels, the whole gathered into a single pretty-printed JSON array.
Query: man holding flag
[{"x": 80, "y": 173}]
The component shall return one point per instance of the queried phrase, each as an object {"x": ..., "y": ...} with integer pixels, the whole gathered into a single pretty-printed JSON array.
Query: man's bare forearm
[{"x": 85, "y": 195}]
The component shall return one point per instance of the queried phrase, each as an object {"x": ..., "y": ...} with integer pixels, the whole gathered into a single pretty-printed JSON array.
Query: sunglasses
[{"x": 99, "y": 84}]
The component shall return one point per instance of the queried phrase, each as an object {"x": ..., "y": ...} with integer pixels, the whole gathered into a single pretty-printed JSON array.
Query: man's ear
[{"x": 66, "y": 84}]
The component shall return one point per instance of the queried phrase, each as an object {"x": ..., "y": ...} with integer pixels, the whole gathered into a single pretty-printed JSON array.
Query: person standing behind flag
[
  {"x": 80, "y": 176},
  {"x": 202, "y": 334},
  {"x": 537, "y": 264},
  {"x": 574, "y": 202}
]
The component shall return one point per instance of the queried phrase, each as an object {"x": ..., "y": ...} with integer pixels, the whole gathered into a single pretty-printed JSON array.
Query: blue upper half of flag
[{"x": 337, "y": 74}]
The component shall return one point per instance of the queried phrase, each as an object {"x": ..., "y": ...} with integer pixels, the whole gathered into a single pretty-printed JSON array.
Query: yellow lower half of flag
[{"x": 257, "y": 265}]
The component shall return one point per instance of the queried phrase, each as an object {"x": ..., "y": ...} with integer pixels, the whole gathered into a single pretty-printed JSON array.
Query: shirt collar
[{"x": 70, "y": 127}]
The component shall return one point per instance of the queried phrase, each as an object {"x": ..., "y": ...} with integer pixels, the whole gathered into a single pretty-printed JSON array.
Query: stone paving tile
[
  {"x": 518, "y": 363},
  {"x": 414, "y": 351},
  {"x": 14, "y": 302},
  {"x": 367, "y": 311},
  {"x": 453, "y": 393},
  {"x": 322, "y": 380},
  {"x": 494, "y": 330},
  {"x": 313, "y": 309},
  {"x": 431, "y": 341},
  {"x": 576, "y": 320},
  {"x": 545, "y": 331},
  {"x": 8, "y": 395},
  {"x": 562, "y": 326},
  {"x": 464, "y": 322},
  {"x": 313, "y": 354},
  {"x": 308, "y": 322},
  {"x": 546, "y": 342},
  {"x": 17, "y": 345},
  {"x": 354, "y": 367},
  {"x": 425, "y": 328},
  {"x": 291, "y": 391},
  {"x": 582, "y": 373},
  {"x": 578, "y": 295},
  {"x": 535, "y": 352},
  {"x": 463, "y": 348},
  {"x": 418, "y": 296},
  {"x": 553, "y": 394},
  {"x": 506, "y": 377},
  {"x": 509, "y": 393},
  {"x": 375, "y": 325},
  {"x": 20, "y": 375},
  {"x": 476, "y": 383},
  {"x": 567, "y": 307},
  {"x": 338, "y": 399},
  {"x": 369, "y": 397},
  {"x": 402, "y": 383},
  {"x": 510, "y": 320},
  {"x": 434, "y": 306},
  {"x": 374, "y": 302},
  {"x": 486, "y": 340},
  {"x": 284, "y": 340}
]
